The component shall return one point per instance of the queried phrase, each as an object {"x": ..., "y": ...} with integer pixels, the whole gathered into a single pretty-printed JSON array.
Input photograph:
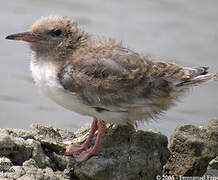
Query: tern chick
[{"x": 102, "y": 79}]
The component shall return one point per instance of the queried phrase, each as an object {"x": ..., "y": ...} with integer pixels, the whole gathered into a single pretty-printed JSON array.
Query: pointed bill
[{"x": 26, "y": 36}]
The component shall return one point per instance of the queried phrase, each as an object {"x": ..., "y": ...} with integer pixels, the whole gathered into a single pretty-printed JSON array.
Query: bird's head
[{"x": 53, "y": 32}]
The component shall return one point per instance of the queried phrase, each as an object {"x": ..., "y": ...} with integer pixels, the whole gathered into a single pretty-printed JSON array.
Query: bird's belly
[
  {"x": 68, "y": 100},
  {"x": 72, "y": 102}
]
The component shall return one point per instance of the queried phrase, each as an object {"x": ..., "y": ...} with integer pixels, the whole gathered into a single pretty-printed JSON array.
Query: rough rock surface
[
  {"x": 192, "y": 148},
  {"x": 212, "y": 169},
  {"x": 39, "y": 154}
]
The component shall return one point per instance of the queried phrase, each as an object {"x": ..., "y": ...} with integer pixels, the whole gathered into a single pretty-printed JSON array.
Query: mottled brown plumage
[
  {"x": 102, "y": 79},
  {"x": 107, "y": 75}
]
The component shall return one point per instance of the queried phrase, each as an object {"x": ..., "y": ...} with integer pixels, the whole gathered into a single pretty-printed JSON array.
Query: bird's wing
[{"x": 118, "y": 78}]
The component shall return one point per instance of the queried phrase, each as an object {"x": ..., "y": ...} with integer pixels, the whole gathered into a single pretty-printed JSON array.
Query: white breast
[{"x": 45, "y": 76}]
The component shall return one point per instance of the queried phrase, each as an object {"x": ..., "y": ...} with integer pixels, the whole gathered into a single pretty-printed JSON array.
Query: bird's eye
[{"x": 56, "y": 32}]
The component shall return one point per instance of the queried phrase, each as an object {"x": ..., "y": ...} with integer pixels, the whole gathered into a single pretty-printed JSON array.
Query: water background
[{"x": 185, "y": 32}]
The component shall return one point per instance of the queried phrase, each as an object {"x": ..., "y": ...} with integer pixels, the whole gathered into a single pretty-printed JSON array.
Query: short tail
[{"x": 197, "y": 76}]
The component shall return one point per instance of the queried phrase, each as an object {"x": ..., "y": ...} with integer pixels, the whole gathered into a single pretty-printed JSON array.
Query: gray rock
[
  {"x": 124, "y": 154},
  {"x": 212, "y": 169},
  {"x": 15, "y": 148},
  {"x": 192, "y": 148},
  {"x": 5, "y": 164}
]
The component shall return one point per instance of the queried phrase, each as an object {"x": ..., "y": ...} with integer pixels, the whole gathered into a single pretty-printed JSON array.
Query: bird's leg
[
  {"x": 85, "y": 155},
  {"x": 76, "y": 148}
]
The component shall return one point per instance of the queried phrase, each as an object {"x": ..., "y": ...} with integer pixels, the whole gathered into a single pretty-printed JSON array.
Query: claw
[
  {"x": 85, "y": 155},
  {"x": 76, "y": 148},
  {"x": 73, "y": 148},
  {"x": 84, "y": 151}
]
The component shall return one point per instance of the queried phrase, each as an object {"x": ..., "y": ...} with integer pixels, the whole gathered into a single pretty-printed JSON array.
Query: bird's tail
[{"x": 197, "y": 76}]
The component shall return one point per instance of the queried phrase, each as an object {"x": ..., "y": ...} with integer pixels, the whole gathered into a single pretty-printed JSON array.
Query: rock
[
  {"x": 5, "y": 164},
  {"x": 15, "y": 148},
  {"x": 192, "y": 148},
  {"x": 124, "y": 154},
  {"x": 213, "y": 164},
  {"x": 212, "y": 169}
]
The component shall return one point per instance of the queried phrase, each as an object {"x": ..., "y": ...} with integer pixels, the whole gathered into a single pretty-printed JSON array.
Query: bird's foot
[
  {"x": 85, "y": 155},
  {"x": 85, "y": 151},
  {"x": 75, "y": 148}
]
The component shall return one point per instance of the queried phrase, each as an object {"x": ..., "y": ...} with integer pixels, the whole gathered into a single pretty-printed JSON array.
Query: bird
[{"x": 102, "y": 78}]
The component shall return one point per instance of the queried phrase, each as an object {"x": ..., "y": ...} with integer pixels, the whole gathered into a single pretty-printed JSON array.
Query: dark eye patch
[{"x": 56, "y": 32}]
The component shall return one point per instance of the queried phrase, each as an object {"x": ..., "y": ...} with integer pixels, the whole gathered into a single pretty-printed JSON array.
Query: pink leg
[
  {"x": 75, "y": 148},
  {"x": 85, "y": 155}
]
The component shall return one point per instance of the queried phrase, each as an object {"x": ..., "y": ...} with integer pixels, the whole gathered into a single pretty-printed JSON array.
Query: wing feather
[{"x": 117, "y": 79}]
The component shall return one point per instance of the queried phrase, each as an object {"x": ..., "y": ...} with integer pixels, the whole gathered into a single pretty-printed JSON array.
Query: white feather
[{"x": 45, "y": 77}]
